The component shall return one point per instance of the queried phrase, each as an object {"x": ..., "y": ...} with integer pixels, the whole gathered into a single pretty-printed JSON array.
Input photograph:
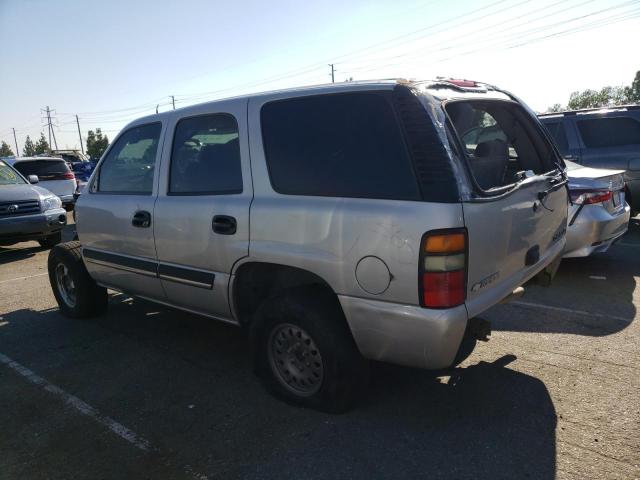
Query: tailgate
[
  {"x": 516, "y": 216},
  {"x": 511, "y": 239}
]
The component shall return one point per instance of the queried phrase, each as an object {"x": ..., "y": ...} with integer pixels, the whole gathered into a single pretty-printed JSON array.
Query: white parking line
[
  {"x": 568, "y": 310},
  {"x": 627, "y": 244},
  {"x": 24, "y": 278},
  {"x": 86, "y": 409},
  {"x": 78, "y": 404}
]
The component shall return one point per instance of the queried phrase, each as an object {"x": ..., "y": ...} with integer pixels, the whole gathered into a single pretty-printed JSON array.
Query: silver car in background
[
  {"x": 54, "y": 175},
  {"x": 598, "y": 212}
]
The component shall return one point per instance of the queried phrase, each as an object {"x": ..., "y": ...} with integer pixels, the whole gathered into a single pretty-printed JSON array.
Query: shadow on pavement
[
  {"x": 185, "y": 384},
  {"x": 14, "y": 254}
]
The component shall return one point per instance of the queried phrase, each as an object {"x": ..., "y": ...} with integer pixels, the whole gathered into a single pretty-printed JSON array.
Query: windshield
[{"x": 8, "y": 175}]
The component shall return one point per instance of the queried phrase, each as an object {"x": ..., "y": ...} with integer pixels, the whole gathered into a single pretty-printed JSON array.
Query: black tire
[
  {"x": 51, "y": 240},
  {"x": 343, "y": 374},
  {"x": 88, "y": 299}
]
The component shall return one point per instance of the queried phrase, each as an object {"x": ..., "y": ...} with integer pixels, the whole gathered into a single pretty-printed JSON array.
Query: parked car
[
  {"x": 335, "y": 224},
  {"x": 602, "y": 138},
  {"x": 598, "y": 214},
  {"x": 54, "y": 174},
  {"x": 28, "y": 212}
]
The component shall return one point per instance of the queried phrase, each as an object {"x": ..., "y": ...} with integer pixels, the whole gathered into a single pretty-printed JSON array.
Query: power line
[{"x": 507, "y": 42}]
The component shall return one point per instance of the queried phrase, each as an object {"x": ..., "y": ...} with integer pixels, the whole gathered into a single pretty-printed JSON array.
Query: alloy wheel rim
[
  {"x": 295, "y": 359},
  {"x": 66, "y": 286}
]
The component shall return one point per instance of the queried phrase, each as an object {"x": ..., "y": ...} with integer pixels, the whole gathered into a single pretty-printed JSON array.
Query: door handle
[
  {"x": 224, "y": 224},
  {"x": 141, "y": 219}
]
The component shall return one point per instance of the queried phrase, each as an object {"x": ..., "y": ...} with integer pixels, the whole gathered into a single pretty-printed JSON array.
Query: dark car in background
[{"x": 602, "y": 138}]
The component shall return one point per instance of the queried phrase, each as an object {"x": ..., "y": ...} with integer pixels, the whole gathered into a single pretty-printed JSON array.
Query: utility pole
[
  {"x": 333, "y": 72},
  {"x": 79, "y": 134},
  {"x": 157, "y": 108},
  {"x": 50, "y": 125},
  {"x": 173, "y": 101},
  {"x": 15, "y": 140}
]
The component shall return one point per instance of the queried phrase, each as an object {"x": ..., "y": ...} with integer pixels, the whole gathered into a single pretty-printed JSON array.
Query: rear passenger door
[
  {"x": 202, "y": 212},
  {"x": 115, "y": 219}
]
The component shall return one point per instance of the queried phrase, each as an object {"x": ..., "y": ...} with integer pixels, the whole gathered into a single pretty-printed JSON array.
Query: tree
[
  {"x": 97, "y": 143},
  {"x": 556, "y": 107},
  {"x": 42, "y": 146},
  {"x": 5, "y": 150},
  {"x": 29, "y": 149},
  {"x": 605, "y": 97},
  {"x": 634, "y": 90}
]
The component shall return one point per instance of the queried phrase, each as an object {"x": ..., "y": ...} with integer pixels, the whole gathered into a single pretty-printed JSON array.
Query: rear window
[
  {"x": 44, "y": 169},
  {"x": 501, "y": 142},
  {"x": 344, "y": 145},
  {"x": 559, "y": 134},
  {"x": 609, "y": 132}
]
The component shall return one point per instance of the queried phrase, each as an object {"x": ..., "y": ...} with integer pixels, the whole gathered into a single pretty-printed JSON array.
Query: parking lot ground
[{"x": 148, "y": 392}]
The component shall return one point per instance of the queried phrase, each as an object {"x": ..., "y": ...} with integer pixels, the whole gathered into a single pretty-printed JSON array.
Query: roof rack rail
[{"x": 592, "y": 109}]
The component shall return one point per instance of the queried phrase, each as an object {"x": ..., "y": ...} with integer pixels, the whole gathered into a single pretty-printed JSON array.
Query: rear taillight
[
  {"x": 588, "y": 197},
  {"x": 443, "y": 268},
  {"x": 68, "y": 176}
]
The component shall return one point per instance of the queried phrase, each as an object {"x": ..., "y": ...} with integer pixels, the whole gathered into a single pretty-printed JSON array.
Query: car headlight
[{"x": 50, "y": 203}]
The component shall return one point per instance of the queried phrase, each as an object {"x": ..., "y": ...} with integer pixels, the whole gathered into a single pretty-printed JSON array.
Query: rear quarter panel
[{"x": 330, "y": 236}]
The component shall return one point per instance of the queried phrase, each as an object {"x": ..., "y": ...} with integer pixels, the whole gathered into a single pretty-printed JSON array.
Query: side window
[
  {"x": 609, "y": 132},
  {"x": 342, "y": 145},
  {"x": 205, "y": 159},
  {"x": 129, "y": 165},
  {"x": 559, "y": 135}
]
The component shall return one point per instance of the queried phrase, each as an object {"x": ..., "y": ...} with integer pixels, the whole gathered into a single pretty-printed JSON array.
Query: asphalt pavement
[{"x": 149, "y": 392}]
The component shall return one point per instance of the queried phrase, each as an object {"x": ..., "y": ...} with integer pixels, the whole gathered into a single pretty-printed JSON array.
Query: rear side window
[
  {"x": 206, "y": 156},
  {"x": 609, "y": 132},
  {"x": 345, "y": 145},
  {"x": 559, "y": 135},
  {"x": 130, "y": 163},
  {"x": 44, "y": 169}
]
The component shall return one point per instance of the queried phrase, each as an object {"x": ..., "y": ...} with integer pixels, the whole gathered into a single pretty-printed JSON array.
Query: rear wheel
[
  {"x": 304, "y": 352},
  {"x": 77, "y": 294},
  {"x": 51, "y": 240}
]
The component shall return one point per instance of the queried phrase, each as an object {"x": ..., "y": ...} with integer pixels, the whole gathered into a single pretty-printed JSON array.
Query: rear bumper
[
  {"x": 405, "y": 334},
  {"x": 31, "y": 227},
  {"x": 594, "y": 230}
]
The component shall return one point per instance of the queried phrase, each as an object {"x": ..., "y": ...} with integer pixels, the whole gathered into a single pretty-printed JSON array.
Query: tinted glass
[
  {"x": 347, "y": 145},
  {"x": 44, "y": 169},
  {"x": 206, "y": 156},
  {"x": 609, "y": 132},
  {"x": 8, "y": 176},
  {"x": 557, "y": 131},
  {"x": 129, "y": 165}
]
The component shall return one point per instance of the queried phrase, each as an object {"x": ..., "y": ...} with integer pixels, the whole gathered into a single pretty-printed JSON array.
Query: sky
[{"x": 111, "y": 62}]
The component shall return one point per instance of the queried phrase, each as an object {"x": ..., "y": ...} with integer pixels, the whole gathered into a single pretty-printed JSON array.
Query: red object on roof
[{"x": 462, "y": 83}]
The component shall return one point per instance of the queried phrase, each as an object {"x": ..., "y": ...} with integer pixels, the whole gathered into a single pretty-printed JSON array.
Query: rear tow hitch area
[{"x": 479, "y": 329}]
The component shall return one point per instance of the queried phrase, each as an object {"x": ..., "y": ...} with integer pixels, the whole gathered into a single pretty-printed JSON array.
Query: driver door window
[{"x": 130, "y": 164}]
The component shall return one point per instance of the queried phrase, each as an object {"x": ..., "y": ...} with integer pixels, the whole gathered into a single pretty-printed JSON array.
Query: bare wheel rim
[
  {"x": 295, "y": 359},
  {"x": 65, "y": 284}
]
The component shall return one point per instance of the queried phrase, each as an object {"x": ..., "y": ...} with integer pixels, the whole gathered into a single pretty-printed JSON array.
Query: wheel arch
[{"x": 255, "y": 281}]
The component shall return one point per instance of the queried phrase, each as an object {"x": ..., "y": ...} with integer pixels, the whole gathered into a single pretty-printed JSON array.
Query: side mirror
[{"x": 33, "y": 179}]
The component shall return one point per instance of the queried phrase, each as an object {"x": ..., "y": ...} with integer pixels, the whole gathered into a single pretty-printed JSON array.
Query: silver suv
[{"x": 336, "y": 224}]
